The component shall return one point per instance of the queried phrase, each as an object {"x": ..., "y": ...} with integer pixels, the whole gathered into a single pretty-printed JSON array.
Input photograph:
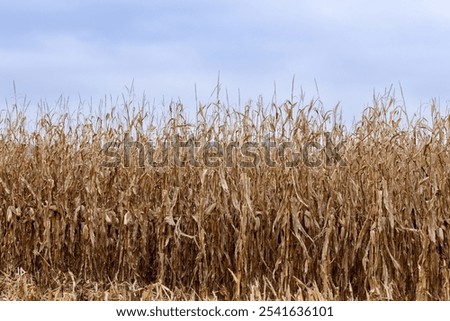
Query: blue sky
[{"x": 350, "y": 48}]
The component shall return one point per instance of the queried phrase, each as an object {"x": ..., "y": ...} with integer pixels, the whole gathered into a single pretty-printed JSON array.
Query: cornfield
[{"x": 266, "y": 202}]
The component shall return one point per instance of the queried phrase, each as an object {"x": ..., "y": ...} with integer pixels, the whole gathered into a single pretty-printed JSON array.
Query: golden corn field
[{"x": 278, "y": 202}]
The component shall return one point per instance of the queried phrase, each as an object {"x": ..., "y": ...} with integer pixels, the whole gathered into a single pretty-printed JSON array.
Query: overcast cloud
[{"x": 351, "y": 48}]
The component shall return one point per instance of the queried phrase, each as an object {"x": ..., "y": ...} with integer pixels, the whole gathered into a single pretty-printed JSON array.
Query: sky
[{"x": 339, "y": 51}]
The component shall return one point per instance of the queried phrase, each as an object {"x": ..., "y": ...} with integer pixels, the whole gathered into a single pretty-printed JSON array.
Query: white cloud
[
  {"x": 65, "y": 65},
  {"x": 350, "y": 47}
]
